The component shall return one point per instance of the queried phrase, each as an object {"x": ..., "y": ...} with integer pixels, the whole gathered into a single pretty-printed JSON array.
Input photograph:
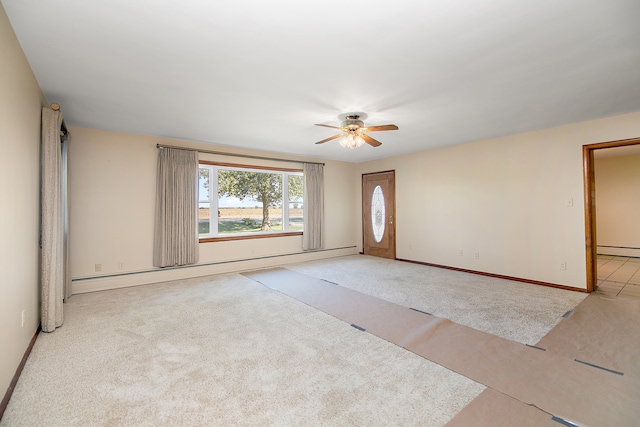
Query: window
[{"x": 238, "y": 201}]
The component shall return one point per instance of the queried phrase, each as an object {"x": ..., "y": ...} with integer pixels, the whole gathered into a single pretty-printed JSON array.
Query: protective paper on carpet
[{"x": 551, "y": 382}]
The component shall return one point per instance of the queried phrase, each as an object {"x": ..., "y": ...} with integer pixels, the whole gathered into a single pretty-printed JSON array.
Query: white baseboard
[
  {"x": 618, "y": 251},
  {"x": 94, "y": 284}
]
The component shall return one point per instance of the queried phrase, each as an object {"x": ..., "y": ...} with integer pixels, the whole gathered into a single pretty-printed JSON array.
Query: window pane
[
  {"x": 203, "y": 218},
  {"x": 295, "y": 202},
  {"x": 203, "y": 184},
  {"x": 242, "y": 196},
  {"x": 295, "y": 216}
]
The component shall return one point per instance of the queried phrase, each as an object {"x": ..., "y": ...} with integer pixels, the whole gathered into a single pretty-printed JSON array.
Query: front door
[{"x": 378, "y": 214}]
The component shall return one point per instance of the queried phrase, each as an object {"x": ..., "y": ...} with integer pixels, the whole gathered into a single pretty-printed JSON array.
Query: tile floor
[{"x": 619, "y": 276}]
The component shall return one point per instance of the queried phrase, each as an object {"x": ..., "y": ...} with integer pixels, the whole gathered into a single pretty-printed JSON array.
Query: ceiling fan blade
[
  {"x": 330, "y": 138},
  {"x": 379, "y": 128},
  {"x": 372, "y": 142},
  {"x": 328, "y": 126}
]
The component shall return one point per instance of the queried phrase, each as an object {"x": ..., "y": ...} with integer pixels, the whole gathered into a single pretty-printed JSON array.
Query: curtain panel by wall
[
  {"x": 176, "y": 222},
  {"x": 313, "y": 235},
  {"x": 54, "y": 264}
]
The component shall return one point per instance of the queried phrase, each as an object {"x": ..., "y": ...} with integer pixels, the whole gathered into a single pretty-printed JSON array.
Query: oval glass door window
[{"x": 377, "y": 213}]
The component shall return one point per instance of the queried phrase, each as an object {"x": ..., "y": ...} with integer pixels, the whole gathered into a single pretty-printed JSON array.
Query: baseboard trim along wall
[
  {"x": 156, "y": 275},
  {"x": 619, "y": 251},
  {"x": 497, "y": 276},
  {"x": 16, "y": 377}
]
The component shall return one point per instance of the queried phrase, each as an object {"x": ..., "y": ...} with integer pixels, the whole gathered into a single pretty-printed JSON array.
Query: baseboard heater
[
  {"x": 123, "y": 279},
  {"x": 618, "y": 251}
]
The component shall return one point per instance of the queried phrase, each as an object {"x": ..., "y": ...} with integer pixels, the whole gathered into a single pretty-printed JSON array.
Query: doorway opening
[{"x": 591, "y": 247}]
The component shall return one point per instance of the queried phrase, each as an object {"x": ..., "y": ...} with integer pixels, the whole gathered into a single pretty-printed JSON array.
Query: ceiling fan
[{"x": 353, "y": 132}]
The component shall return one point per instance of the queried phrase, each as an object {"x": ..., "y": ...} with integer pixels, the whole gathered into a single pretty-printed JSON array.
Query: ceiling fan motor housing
[{"x": 352, "y": 124}]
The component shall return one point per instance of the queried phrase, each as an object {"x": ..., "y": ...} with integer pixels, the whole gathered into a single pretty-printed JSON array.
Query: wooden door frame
[
  {"x": 590, "y": 204},
  {"x": 395, "y": 218}
]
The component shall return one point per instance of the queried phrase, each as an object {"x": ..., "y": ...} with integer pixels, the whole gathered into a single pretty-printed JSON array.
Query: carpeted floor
[
  {"x": 224, "y": 350},
  {"x": 513, "y": 310}
]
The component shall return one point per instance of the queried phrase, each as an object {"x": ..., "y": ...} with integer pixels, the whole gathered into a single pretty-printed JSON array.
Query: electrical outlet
[
  {"x": 120, "y": 265},
  {"x": 477, "y": 255},
  {"x": 563, "y": 266},
  {"x": 98, "y": 267},
  {"x": 460, "y": 252},
  {"x": 23, "y": 317}
]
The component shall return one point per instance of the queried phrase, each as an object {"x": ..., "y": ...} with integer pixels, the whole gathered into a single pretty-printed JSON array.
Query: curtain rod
[{"x": 248, "y": 156}]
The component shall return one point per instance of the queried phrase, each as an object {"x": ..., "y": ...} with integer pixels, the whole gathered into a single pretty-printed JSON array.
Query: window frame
[{"x": 213, "y": 167}]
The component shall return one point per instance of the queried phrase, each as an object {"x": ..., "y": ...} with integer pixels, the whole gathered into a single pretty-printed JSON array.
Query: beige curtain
[
  {"x": 176, "y": 224},
  {"x": 65, "y": 224},
  {"x": 313, "y": 235},
  {"x": 52, "y": 258}
]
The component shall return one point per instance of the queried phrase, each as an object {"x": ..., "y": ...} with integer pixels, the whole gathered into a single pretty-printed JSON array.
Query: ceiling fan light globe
[{"x": 351, "y": 141}]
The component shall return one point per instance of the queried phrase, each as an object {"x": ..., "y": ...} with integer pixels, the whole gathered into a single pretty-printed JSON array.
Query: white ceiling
[{"x": 259, "y": 74}]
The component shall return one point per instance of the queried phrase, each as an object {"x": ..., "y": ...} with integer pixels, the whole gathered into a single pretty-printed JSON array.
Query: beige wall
[
  {"x": 20, "y": 106},
  {"x": 112, "y": 196},
  {"x": 618, "y": 203},
  {"x": 505, "y": 199}
]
